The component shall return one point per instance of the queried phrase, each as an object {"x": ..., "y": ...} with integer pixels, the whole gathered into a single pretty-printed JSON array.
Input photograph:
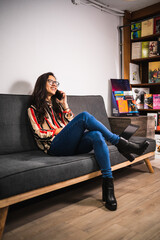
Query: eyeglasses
[{"x": 51, "y": 82}]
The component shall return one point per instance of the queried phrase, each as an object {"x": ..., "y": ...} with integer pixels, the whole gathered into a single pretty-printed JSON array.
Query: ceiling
[{"x": 130, "y": 5}]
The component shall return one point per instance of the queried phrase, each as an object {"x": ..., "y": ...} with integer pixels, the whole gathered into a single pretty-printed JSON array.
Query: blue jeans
[{"x": 74, "y": 139}]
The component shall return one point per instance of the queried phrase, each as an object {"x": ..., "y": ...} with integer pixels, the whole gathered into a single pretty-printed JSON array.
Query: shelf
[
  {"x": 145, "y": 84},
  {"x": 149, "y": 110},
  {"x": 146, "y": 59},
  {"x": 149, "y": 37}
]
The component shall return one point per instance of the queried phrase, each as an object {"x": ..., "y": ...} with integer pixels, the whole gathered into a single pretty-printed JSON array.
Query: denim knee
[
  {"x": 97, "y": 136},
  {"x": 84, "y": 114}
]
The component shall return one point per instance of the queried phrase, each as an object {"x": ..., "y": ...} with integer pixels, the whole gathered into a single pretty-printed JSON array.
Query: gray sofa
[{"x": 26, "y": 171}]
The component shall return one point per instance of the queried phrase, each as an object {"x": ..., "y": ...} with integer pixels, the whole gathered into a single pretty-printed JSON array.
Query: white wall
[{"x": 78, "y": 43}]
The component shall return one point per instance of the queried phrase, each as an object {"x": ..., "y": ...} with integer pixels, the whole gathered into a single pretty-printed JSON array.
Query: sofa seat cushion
[{"x": 26, "y": 171}]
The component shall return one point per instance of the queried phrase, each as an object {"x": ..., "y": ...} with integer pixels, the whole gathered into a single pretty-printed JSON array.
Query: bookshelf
[
  {"x": 140, "y": 15},
  {"x": 146, "y": 38},
  {"x": 148, "y": 59}
]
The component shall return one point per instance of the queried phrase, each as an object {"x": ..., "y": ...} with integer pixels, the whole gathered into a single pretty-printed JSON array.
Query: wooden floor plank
[
  {"x": 84, "y": 216},
  {"x": 113, "y": 232}
]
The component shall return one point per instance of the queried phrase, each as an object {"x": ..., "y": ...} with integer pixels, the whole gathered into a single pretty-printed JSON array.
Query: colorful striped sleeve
[
  {"x": 67, "y": 115},
  {"x": 39, "y": 132}
]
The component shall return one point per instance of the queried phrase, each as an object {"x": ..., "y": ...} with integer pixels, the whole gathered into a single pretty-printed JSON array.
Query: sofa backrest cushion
[
  {"x": 15, "y": 130},
  {"x": 92, "y": 104}
]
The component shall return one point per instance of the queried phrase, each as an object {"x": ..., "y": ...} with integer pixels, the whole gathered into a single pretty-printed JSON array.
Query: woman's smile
[{"x": 51, "y": 85}]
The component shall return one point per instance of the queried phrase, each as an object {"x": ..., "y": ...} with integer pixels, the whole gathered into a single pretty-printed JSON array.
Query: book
[
  {"x": 132, "y": 107},
  {"x": 128, "y": 94},
  {"x": 154, "y": 72},
  {"x": 158, "y": 120},
  {"x": 120, "y": 98},
  {"x": 127, "y": 106},
  {"x": 148, "y": 101},
  {"x": 157, "y": 139},
  {"x": 122, "y": 106},
  {"x": 145, "y": 49},
  {"x": 123, "y": 103},
  {"x": 155, "y": 117},
  {"x": 124, "y": 94},
  {"x": 136, "y": 50},
  {"x": 134, "y": 73},
  {"x": 128, "y": 97},
  {"x": 156, "y": 25},
  {"x": 120, "y": 85},
  {"x": 147, "y": 27},
  {"x": 158, "y": 46},
  {"x": 135, "y": 30},
  {"x": 152, "y": 48},
  {"x": 119, "y": 93},
  {"x": 156, "y": 101},
  {"x": 138, "y": 95}
]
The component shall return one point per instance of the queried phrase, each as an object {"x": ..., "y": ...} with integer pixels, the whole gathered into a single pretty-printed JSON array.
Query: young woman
[{"x": 58, "y": 133}]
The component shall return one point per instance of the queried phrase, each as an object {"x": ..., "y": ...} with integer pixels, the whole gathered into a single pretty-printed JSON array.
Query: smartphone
[{"x": 59, "y": 95}]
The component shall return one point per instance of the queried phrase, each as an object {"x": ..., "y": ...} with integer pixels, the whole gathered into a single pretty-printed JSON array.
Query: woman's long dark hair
[{"x": 39, "y": 95}]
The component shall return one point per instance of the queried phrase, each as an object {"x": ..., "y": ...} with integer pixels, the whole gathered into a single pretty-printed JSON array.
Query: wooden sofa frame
[{"x": 5, "y": 203}]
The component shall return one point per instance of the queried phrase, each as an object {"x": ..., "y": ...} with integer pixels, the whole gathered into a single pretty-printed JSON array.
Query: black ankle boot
[
  {"x": 129, "y": 156},
  {"x": 108, "y": 194},
  {"x": 129, "y": 147}
]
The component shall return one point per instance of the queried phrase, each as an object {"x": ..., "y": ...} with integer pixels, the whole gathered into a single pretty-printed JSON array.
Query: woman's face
[{"x": 51, "y": 86}]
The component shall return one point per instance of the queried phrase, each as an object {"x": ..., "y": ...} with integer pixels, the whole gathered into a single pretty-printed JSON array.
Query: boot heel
[
  {"x": 129, "y": 156},
  {"x": 111, "y": 208},
  {"x": 103, "y": 193}
]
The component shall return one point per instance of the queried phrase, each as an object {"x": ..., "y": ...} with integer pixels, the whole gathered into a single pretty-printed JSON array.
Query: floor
[
  {"x": 77, "y": 212},
  {"x": 156, "y": 161}
]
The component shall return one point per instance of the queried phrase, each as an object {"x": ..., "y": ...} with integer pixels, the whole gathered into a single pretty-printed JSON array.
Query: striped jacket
[{"x": 45, "y": 133}]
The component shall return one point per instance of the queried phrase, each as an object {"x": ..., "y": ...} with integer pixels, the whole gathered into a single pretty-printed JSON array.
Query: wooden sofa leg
[
  {"x": 149, "y": 166},
  {"x": 3, "y": 217}
]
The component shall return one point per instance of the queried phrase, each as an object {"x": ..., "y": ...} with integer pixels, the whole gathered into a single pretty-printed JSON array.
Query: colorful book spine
[
  {"x": 135, "y": 30},
  {"x": 156, "y": 25},
  {"x": 147, "y": 27},
  {"x": 158, "y": 121},
  {"x": 136, "y": 50},
  {"x": 156, "y": 101},
  {"x": 158, "y": 46},
  {"x": 157, "y": 138},
  {"x": 122, "y": 106},
  {"x": 152, "y": 48},
  {"x": 155, "y": 118},
  {"x": 154, "y": 72},
  {"x": 119, "y": 97},
  {"x": 123, "y": 103},
  {"x": 132, "y": 107},
  {"x": 145, "y": 49},
  {"x": 138, "y": 94},
  {"x": 148, "y": 101},
  {"x": 119, "y": 93}
]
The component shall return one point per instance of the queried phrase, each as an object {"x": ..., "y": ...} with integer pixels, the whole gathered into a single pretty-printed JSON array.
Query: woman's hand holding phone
[{"x": 62, "y": 100}]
